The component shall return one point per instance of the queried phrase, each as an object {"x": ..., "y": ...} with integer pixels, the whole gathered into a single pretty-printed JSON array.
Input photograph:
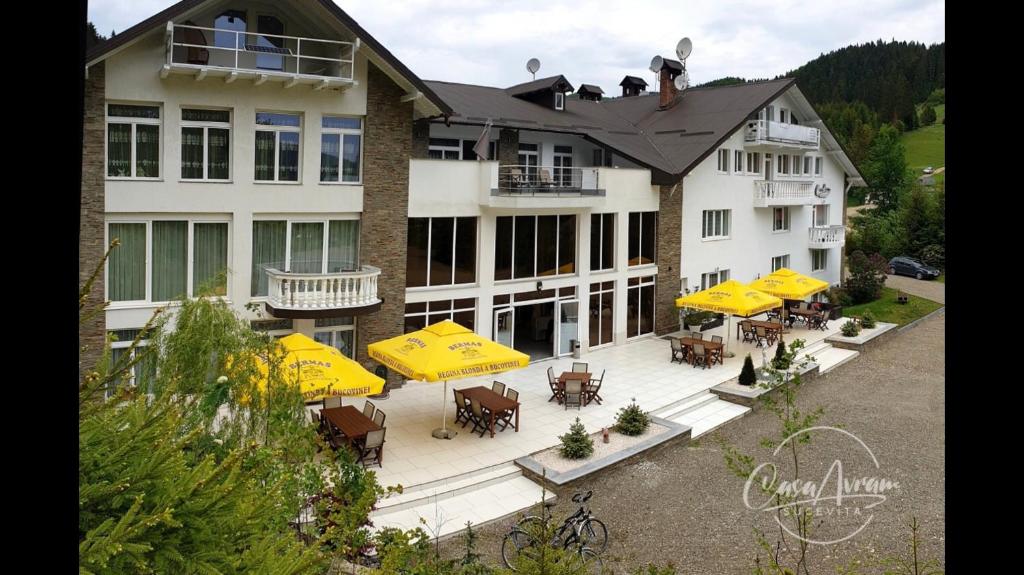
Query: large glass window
[
  {"x": 441, "y": 251},
  {"x": 711, "y": 279},
  {"x": 780, "y": 219},
  {"x": 602, "y": 242},
  {"x": 205, "y": 144},
  {"x": 277, "y": 147},
  {"x": 315, "y": 247},
  {"x": 421, "y": 314},
  {"x": 444, "y": 149},
  {"x": 819, "y": 260},
  {"x": 602, "y": 313},
  {"x": 640, "y": 306},
  {"x": 133, "y": 141},
  {"x": 563, "y": 166},
  {"x": 716, "y": 224},
  {"x": 337, "y": 332},
  {"x": 141, "y": 357},
  {"x": 185, "y": 259},
  {"x": 643, "y": 234},
  {"x": 529, "y": 158},
  {"x": 534, "y": 246},
  {"x": 341, "y": 149},
  {"x": 230, "y": 30}
]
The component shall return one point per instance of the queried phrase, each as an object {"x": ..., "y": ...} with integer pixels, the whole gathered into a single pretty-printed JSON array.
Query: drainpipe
[{"x": 847, "y": 184}]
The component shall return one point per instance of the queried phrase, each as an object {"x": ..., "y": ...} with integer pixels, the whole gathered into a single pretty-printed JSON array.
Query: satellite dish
[
  {"x": 532, "y": 65},
  {"x": 683, "y": 48},
  {"x": 656, "y": 63},
  {"x": 680, "y": 82}
]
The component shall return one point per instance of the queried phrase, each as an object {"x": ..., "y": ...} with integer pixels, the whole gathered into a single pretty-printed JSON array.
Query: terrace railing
[
  {"x": 524, "y": 180},
  {"x": 323, "y": 291}
]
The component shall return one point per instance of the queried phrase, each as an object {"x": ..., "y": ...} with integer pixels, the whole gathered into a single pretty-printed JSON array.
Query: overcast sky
[{"x": 598, "y": 42}]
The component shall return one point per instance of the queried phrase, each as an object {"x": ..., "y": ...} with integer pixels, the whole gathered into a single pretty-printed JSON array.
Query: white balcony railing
[
  {"x": 548, "y": 181},
  {"x": 780, "y": 134},
  {"x": 202, "y": 51},
  {"x": 783, "y": 193},
  {"x": 827, "y": 236},
  {"x": 293, "y": 291}
]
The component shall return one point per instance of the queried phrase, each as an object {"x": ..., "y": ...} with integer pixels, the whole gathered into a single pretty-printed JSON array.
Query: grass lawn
[
  {"x": 887, "y": 310},
  {"x": 927, "y": 146},
  {"x": 941, "y": 279}
]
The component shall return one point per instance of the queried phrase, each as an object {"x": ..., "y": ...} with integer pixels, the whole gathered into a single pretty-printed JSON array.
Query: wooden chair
[
  {"x": 590, "y": 391},
  {"x": 372, "y": 445},
  {"x": 378, "y": 418},
  {"x": 698, "y": 356},
  {"x": 332, "y": 401},
  {"x": 498, "y": 387},
  {"x": 748, "y": 332},
  {"x": 556, "y": 391},
  {"x": 515, "y": 177},
  {"x": 761, "y": 336},
  {"x": 504, "y": 419},
  {"x": 573, "y": 393},
  {"x": 579, "y": 367},
  {"x": 677, "y": 350},
  {"x": 715, "y": 355},
  {"x": 368, "y": 409},
  {"x": 786, "y": 318},
  {"x": 461, "y": 408},
  {"x": 480, "y": 416},
  {"x": 697, "y": 335},
  {"x": 716, "y": 339},
  {"x": 335, "y": 438}
]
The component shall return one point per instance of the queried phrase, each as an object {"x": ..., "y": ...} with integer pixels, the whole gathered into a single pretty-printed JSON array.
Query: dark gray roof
[
  {"x": 633, "y": 80},
  {"x": 670, "y": 142},
  {"x": 549, "y": 83},
  {"x": 590, "y": 88}
]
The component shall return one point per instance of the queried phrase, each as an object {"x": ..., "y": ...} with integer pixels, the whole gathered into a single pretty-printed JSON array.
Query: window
[
  {"x": 821, "y": 215},
  {"x": 559, "y": 101},
  {"x": 640, "y": 306},
  {"x": 780, "y": 262},
  {"x": 277, "y": 328},
  {"x": 817, "y": 165},
  {"x": 737, "y": 161},
  {"x": 563, "y": 166},
  {"x": 313, "y": 247},
  {"x": 534, "y": 246},
  {"x": 337, "y": 332},
  {"x": 133, "y": 141},
  {"x": 277, "y": 147},
  {"x": 780, "y": 219},
  {"x": 340, "y": 149},
  {"x": 232, "y": 23},
  {"x": 807, "y": 165},
  {"x": 783, "y": 115},
  {"x": 529, "y": 156},
  {"x": 711, "y": 279},
  {"x": 602, "y": 242},
  {"x": 420, "y": 315},
  {"x": 164, "y": 260},
  {"x": 723, "y": 161},
  {"x": 753, "y": 162},
  {"x": 443, "y": 149},
  {"x": 441, "y": 251},
  {"x": 205, "y": 144},
  {"x": 143, "y": 372},
  {"x": 602, "y": 313},
  {"x": 819, "y": 260},
  {"x": 796, "y": 165},
  {"x": 469, "y": 154},
  {"x": 716, "y": 224},
  {"x": 643, "y": 234},
  {"x": 783, "y": 165},
  {"x": 598, "y": 157}
]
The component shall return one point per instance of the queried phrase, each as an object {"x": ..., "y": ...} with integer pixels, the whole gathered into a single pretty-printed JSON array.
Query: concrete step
[
  {"x": 687, "y": 404},
  {"x": 833, "y": 358},
  {"x": 480, "y": 504},
  {"x": 449, "y": 487},
  {"x": 710, "y": 416}
]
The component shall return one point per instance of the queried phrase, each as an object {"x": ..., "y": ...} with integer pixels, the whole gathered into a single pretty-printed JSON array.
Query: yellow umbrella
[
  {"x": 733, "y": 298},
  {"x": 788, "y": 284},
  {"x": 320, "y": 370},
  {"x": 443, "y": 351}
]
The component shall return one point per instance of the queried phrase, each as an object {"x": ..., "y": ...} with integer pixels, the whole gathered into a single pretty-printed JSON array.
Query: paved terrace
[{"x": 639, "y": 369}]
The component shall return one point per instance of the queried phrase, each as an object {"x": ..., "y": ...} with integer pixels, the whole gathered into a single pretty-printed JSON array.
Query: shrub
[
  {"x": 838, "y": 296},
  {"x": 867, "y": 277},
  {"x": 576, "y": 444},
  {"x": 698, "y": 317},
  {"x": 631, "y": 420},
  {"x": 747, "y": 375},
  {"x": 868, "y": 321},
  {"x": 850, "y": 329},
  {"x": 780, "y": 361},
  {"x": 934, "y": 255}
]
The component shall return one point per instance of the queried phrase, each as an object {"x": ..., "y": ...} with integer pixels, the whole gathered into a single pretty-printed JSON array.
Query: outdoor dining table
[
  {"x": 768, "y": 325},
  {"x": 350, "y": 421},
  {"x": 708, "y": 345},
  {"x": 804, "y": 313},
  {"x": 582, "y": 376},
  {"x": 494, "y": 402}
]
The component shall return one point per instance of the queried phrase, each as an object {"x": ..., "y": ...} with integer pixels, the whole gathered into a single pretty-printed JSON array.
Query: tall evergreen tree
[{"x": 886, "y": 170}]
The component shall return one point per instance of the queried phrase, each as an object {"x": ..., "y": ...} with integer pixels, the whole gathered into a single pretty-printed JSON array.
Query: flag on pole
[{"x": 481, "y": 147}]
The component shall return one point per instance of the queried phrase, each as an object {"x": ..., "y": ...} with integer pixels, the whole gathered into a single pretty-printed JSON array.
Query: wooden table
[
  {"x": 494, "y": 402},
  {"x": 350, "y": 421},
  {"x": 583, "y": 376},
  {"x": 768, "y": 325},
  {"x": 708, "y": 345}
]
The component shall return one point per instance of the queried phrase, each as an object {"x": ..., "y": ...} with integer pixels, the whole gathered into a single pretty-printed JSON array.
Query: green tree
[
  {"x": 867, "y": 277},
  {"x": 576, "y": 444},
  {"x": 92, "y": 37},
  {"x": 747, "y": 375},
  {"x": 886, "y": 170},
  {"x": 921, "y": 225},
  {"x": 928, "y": 116}
]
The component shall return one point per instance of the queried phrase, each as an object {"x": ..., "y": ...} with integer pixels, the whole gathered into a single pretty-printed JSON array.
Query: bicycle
[{"x": 582, "y": 529}]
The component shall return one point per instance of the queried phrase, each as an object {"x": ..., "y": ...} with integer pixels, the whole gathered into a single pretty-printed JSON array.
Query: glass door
[
  {"x": 503, "y": 326},
  {"x": 270, "y": 46},
  {"x": 568, "y": 325}
]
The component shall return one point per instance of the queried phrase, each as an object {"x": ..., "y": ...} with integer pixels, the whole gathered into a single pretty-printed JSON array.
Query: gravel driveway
[
  {"x": 682, "y": 505},
  {"x": 928, "y": 289}
]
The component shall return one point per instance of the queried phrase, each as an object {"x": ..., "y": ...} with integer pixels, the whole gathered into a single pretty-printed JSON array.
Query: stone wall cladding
[
  {"x": 388, "y": 147},
  {"x": 670, "y": 222},
  {"x": 508, "y": 147},
  {"x": 420, "y": 139},
  {"x": 91, "y": 245}
]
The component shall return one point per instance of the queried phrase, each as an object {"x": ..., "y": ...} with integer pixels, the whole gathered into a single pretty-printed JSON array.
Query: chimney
[
  {"x": 632, "y": 86},
  {"x": 667, "y": 91}
]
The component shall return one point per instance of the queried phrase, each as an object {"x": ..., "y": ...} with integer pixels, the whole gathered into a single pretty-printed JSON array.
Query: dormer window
[{"x": 559, "y": 101}]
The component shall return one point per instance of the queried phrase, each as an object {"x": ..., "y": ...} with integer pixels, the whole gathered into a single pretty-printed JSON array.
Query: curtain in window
[
  {"x": 126, "y": 268},
  {"x": 330, "y": 151},
  {"x": 218, "y": 153},
  {"x": 147, "y": 151},
  {"x": 350, "y": 160},
  {"x": 264, "y": 155},
  {"x": 288, "y": 165},
  {"x": 343, "y": 246},
  {"x": 268, "y": 245},
  {"x": 210, "y": 259},
  {"x": 170, "y": 260},
  {"x": 192, "y": 153},
  {"x": 119, "y": 150},
  {"x": 307, "y": 248}
]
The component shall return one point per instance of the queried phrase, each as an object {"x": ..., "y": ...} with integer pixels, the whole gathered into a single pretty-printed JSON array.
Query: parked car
[
  {"x": 905, "y": 266},
  {"x": 929, "y": 170}
]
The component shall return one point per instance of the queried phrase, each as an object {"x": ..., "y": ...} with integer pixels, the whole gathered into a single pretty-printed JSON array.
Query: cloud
[{"x": 598, "y": 42}]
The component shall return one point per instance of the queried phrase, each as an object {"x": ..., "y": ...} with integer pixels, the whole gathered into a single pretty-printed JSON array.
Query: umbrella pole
[
  {"x": 442, "y": 432},
  {"x": 728, "y": 336}
]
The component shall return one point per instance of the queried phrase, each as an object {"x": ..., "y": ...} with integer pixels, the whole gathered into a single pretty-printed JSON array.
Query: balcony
[
  {"x": 313, "y": 296},
  {"x": 234, "y": 55},
  {"x": 779, "y": 135},
  {"x": 548, "y": 181},
  {"x": 824, "y": 237},
  {"x": 770, "y": 194}
]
